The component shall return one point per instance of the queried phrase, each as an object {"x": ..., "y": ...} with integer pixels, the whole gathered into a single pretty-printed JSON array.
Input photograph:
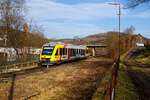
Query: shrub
[{"x": 146, "y": 51}]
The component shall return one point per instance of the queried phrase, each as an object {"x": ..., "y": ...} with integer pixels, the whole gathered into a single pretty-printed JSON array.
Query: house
[
  {"x": 140, "y": 40},
  {"x": 2, "y": 42}
]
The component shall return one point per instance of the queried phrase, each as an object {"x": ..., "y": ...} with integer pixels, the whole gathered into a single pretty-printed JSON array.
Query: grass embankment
[
  {"x": 99, "y": 94},
  {"x": 125, "y": 90},
  {"x": 124, "y": 87},
  {"x": 144, "y": 56}
]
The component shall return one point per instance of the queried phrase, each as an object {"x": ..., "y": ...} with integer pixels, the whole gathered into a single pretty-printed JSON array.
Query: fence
[
  {"x": 110, "y": 88},
  {"x": 5, "y": 61}
]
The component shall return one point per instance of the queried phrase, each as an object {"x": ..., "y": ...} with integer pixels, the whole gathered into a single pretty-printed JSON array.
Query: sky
[{"x": 71, "y": 18}]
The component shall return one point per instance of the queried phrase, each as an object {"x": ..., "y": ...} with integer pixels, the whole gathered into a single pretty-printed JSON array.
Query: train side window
[
  {"x": 80, "y": 51},
  {"x": 74, "y": 52},
  {"x": 64, "y": 51},
  {"x": 61, "y": 52},
  {"x": 70, "y": 52},
  {"x": 87, "y": 51}
]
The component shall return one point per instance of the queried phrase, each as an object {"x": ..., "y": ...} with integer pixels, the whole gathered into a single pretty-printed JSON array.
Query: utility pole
[
  {"x": 5, "y": 45},
  {"x": 119, "y": 8},
  {"x": 119, "y": 30}
]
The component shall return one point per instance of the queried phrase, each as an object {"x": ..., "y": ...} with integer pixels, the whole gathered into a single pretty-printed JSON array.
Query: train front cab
[{"x": 50, "y": 55}]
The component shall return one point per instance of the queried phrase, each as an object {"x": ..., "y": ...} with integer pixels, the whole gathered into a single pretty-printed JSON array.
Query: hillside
[{"x": 91, "y": 39}]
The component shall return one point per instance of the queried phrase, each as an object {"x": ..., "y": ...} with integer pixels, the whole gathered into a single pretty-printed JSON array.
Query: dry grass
[
  {"x": 72, "y": 81},
  {"x": 143, "y": 60},
  {"x": 144, "y": 56},
  {"x": 145, "y": 72},
  {"x": 125, "y": 89}
]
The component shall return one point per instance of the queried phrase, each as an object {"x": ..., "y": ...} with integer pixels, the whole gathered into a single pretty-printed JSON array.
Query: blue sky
[{"x": 70, "y": 18}]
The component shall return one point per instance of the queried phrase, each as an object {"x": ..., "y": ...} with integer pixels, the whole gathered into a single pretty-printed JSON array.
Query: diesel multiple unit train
[{"x": 57, "y": 52}]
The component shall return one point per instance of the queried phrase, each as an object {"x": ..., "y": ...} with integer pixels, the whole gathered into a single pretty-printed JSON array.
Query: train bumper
[{"x": 47, "y": 63}]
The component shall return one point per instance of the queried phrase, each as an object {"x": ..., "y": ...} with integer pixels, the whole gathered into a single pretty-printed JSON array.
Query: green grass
[
  {"x": 125, "y": 90},
  {"x": 124, "y": 86},
  {"x": 146, "y": 51},
  {"x": 99, "y": 94},
  {"x": 144, "y": 56}
]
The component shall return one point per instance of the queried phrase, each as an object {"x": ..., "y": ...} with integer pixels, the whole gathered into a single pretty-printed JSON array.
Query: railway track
[
  {"x": 130, "y": 58},
  {"x": 5, "y": 77},
  {"x": 141, "y": 84},
  {"x": 21, "y": 72}
]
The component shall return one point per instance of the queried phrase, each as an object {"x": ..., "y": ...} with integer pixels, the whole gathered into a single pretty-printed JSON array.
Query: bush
[
  {"x": 146, "y": 51},
  {"x": 148, "y": 47}
]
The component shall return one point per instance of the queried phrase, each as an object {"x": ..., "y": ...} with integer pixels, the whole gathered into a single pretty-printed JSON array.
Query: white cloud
[
  {"x": 42, "y": 11},
  {"x": 69, "y": 30},
  {"x": 51, "y": 10},
  {"x": 145, "y": 14}
]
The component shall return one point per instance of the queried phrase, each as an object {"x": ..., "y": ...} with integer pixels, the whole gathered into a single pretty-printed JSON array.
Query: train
[{"x": 58, "y": 52}]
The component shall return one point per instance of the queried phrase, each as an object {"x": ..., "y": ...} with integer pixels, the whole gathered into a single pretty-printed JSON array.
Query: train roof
[
  {"x": 53, "y": 43},
  {"x": 68, "y": 45}
]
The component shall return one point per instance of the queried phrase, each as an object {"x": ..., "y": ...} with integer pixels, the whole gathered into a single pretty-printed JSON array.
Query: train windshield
[{"x": 47, "y": 50}]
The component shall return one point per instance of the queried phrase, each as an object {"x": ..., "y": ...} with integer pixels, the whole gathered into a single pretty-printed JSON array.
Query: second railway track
[
  {"x": 25, "y": 72},
  {"x": 21, "y": 72}
]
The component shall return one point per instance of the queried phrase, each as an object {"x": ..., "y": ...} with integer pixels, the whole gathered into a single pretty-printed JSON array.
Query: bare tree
[
  {"x": 134, "y": 3},
  {"x": 34, "y": 28},
  {"x": 129, "y": 30},
  {"x": 127, "y": 41},
  {"x": 12, "y": 21},
  {"x": 37, "y": 37},
  {"x": 112, "y": 44}
]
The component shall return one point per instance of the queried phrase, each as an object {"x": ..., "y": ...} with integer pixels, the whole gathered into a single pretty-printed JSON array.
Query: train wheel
[
  {"x": 58, "y": 62},
  {"x": 39, "y": 65}
]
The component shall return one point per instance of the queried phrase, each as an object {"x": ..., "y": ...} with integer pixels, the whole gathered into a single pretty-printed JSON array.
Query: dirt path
[
  {"x": 138, "y": 74},
  {"x": 73, "y": 81}
]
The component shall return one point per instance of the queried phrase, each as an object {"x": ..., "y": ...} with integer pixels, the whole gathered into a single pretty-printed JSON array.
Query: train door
[
  {"x": 87, "y": 52},
  {"x": 68, "y": 53},
  {"x": 61, "y": 53},
  {"x": 57, "y": 58},
  {"x": 64, "y": 54}
]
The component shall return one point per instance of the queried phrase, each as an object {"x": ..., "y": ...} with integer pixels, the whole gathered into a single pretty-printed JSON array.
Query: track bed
[
  {"x": 139, "y": 74},
  {"x": 70, "y": 81}
]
